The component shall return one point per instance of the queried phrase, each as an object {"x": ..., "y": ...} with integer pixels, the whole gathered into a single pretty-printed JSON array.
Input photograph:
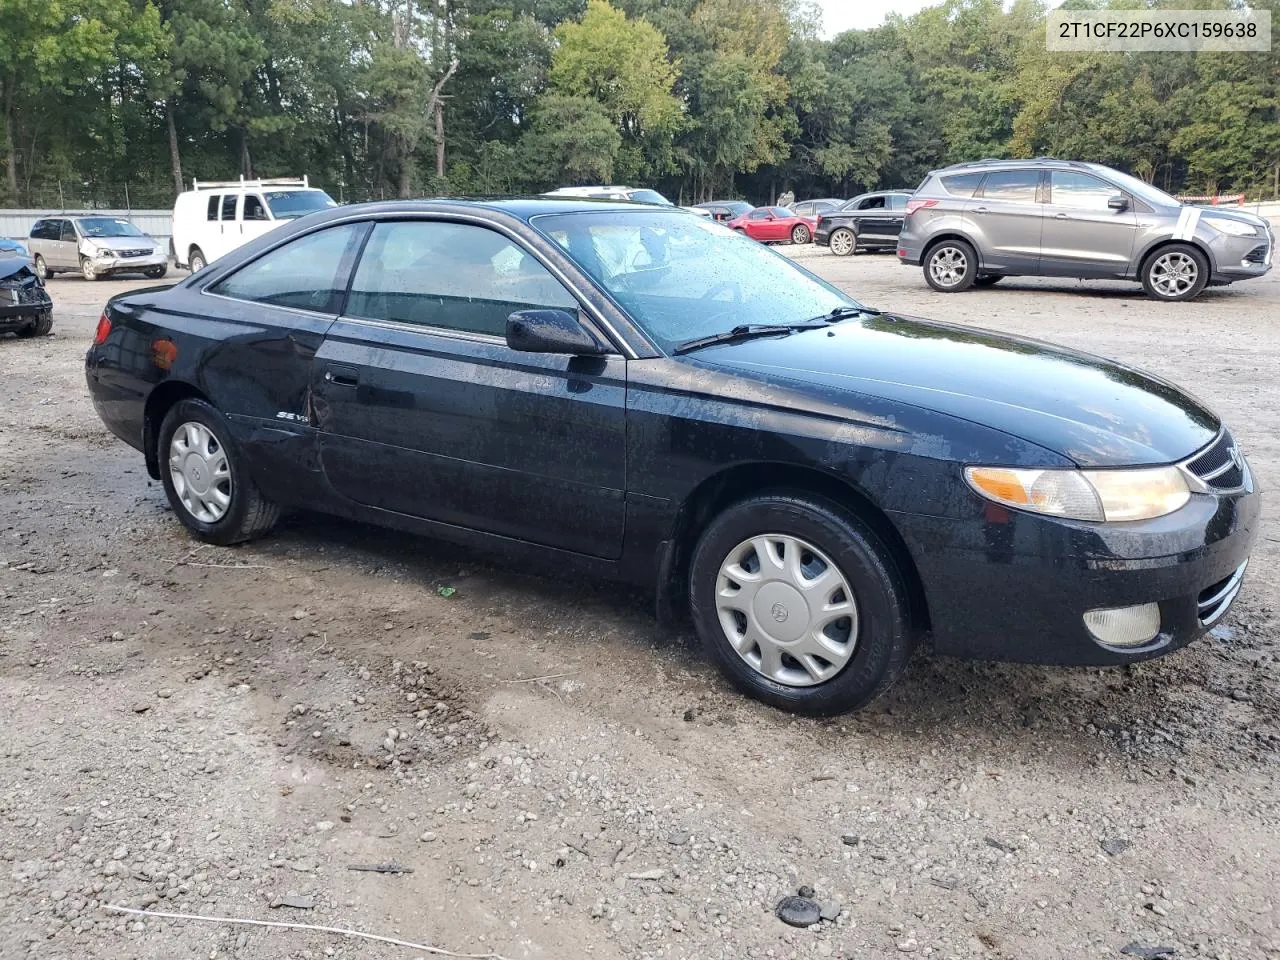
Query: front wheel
[
  {"x": 155, "y": 273},
  {"x": 86, "y": 269},
  {"x": 800, "y": 234},
  {"x": 41, "y": 327},
  {"x": 844, "y": 242},
  {"x": 800, "y": 604},
  {"x": 951, "y": 266},
  {"x": 206, "y": 479},
  {"x": 1176, "y": 272},
  {"x": 42, "y": 268},
  {"x": 198, "y": 262}
]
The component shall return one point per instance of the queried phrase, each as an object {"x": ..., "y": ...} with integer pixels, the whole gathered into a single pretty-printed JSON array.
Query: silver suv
[{"x": 974, "y": 223}]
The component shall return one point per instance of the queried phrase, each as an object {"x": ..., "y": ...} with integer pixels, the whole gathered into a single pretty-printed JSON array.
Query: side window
[
  {"x": 215, "y": 202},
  {"x": 1079, "y": 190},
  {"x": 758, "y": 214},
  {"x": 872, "y": 203},
  {"x": 962, "y": 184},
  {"x": 309, "y": 273},
  {"x": 1011, "y": 186},
  {"x": 37, "y": 230},
  {"x": 229, "y": 206},
  {"x": 68, "y": 231},
  {"x": 782, "y": 212},
  {"x": 450, "y": 275},
  {"x": 897, "y": 201},
  {"x": 254, "y": 209}
]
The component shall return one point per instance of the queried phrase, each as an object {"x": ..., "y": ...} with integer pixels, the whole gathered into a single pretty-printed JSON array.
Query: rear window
[
  {"x": 962, "y": 184},
  {"x": 229, "y": 206},
  {"x": 214, "y": 202}
]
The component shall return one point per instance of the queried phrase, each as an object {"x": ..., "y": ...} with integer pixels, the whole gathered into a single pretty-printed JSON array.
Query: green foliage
[{"x": 694, "y": 97}]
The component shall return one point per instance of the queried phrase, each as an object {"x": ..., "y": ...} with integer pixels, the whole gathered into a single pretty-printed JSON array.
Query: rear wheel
[
  {"x": 799, "y": 604},
  {"x": 42, "y": 268},
  {"x": 951, "y": 266},
  {"x": 800, "y": 234},
  {"x": 41, "y": 327},
  {"x": 206, "y": 479},
  {"x": 1176, "y": 272},
  {"x": 844, "y": 242},
  {"x": 197, "y": 260}
]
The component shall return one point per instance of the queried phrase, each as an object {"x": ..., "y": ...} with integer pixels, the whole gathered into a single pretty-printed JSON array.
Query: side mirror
[
  {"x": 1118, "y": 202},
  {"x": 551, "y": 331}
]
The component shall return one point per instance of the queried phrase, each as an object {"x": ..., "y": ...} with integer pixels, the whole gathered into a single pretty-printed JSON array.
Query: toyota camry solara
[{"x": 639, "y": 394}]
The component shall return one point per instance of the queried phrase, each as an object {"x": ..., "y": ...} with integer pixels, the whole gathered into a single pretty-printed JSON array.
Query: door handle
[
  {"x": 981, "y": 210},
  {"x": 1061, "y": 216},
  {"x": 342, "y": 376}
]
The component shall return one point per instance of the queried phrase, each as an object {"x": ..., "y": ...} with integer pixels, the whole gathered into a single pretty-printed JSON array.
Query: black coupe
[{"x": 638, "y": 393}]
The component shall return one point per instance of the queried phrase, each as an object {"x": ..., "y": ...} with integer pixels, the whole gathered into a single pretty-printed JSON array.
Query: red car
[{"x": 774, "y": 224}]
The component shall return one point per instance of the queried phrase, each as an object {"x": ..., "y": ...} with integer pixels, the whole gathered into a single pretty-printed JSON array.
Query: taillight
[
  {"x": 104, "y": 329},
  {"x": 914, "y": 205}
]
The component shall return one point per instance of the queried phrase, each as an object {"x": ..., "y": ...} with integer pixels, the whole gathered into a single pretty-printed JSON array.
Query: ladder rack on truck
[{"x": 250, "y": 184}]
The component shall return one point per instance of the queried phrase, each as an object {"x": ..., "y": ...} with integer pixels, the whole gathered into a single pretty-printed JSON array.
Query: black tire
[
  {"x": 987, "y": 280},
  {"x": 847, "y": 243},
  {"x": 249, "y": 514},
  {"x": 800, "y": 234},
  {"x": 41, "y": 327},
  {"x": 964, "y": 266},
  {"x": 42, "y": 268},
  {"x": 885, "y": 638},
  {"x": 155, "y": 273},
  {"x": 197, "y": 260},
  {"x": 86, "y": 270},
  {"x": 1158, "y": 282}
]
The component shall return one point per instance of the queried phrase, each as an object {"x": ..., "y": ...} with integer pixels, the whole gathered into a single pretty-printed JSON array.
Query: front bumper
[
  {"x": 1241, "y": 258},
  {"x": 109, "y": 265},
  {"x": 1015, "y": 586},
  {"x": 20, "y": 307}
]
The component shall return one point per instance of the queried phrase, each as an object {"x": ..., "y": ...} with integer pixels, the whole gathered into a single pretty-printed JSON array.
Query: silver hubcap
[
  {"x": 200, "y": 472},
  {"x": 1173, "y": 274},
  {"x": 197, "y": 263},
  {"x": 947, "y": 266},
  {"x": 87, "y": 267},
  {"x": 842, "y": 242},
  {"x": 799, "y": 235},
  {"x": 787, "y": 609},
  {"x": 41, "y": 270}
]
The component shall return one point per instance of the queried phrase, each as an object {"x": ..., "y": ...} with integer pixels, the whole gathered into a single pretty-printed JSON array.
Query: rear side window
[
  {"x": 1011, "y": 186},
  {"x": 453, "y": 276},
  {"x": 229, "y": 206},
  {"x": 214, "y": 202},
  {"x": 962, "y": 184},
  {"x": 38, "y": 230},
  {"x": 309, "y": 273}
]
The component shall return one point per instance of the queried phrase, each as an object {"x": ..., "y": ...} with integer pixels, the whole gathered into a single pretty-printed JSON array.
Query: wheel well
[
  {"x": 736, "y": 483},
  {"x": 160, "y": 401},
  {"x": 928, "y": 247},
  {"x": 1162, "y": 244}
]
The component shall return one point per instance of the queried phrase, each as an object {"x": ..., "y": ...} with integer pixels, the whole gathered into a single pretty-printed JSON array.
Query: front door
[
  {"x": 1083, "y": 236},
  {"x": 1006, "y": 215},
  {"x": 255, "y": 218},
  {"x": 66, "y": 249},
  {"x": 424, "y": 409}
]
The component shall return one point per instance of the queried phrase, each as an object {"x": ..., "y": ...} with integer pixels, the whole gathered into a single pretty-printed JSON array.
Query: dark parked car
[
  {"x": 636, "y": 393},
  {"x": 25, "y": 307},
  {"x": 725, "y": 210},
  {"x": 868, "y": 222}
]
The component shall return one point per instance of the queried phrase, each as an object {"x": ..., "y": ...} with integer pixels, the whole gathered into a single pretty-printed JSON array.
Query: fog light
[{"x": 1124, "y": 626}]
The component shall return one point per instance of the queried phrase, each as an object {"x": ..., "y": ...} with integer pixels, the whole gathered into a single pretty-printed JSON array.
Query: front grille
[
  {"x": 134, "y": 253},
  {"x": 1220, "y": 466},
  {"x": 1257, "y": 255},
  {"x": 1214, "y": 600}
]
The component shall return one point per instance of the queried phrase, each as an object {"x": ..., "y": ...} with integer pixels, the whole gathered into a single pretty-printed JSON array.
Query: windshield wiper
[
  {"x": 746, "y": 331},
  {"x": 840, "y": 313}
]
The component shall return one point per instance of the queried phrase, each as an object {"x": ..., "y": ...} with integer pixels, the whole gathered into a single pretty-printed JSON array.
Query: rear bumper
[{"x": 1015, "y": 587}]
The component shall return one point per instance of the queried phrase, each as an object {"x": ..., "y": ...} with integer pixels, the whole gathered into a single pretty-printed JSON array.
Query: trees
[{"x": 377, "y": 98}]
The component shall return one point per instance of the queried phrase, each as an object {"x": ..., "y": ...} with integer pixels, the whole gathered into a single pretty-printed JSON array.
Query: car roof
[
  {"x": 994, "y": 163},
  {"x": 524, "y": 208}
]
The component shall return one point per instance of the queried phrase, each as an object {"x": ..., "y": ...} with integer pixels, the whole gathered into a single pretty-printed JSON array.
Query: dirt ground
[{"x": 228, "y": 732}]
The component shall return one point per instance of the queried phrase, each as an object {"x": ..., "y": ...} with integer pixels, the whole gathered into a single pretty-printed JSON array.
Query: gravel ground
[{"x": 228, "y": 732}]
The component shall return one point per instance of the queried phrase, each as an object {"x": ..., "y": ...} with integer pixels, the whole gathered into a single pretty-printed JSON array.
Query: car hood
[
  {"x": 1093, "y": 411},
  {"x": 1224, "y": 213},
  {"x": 122, "y": 243}
]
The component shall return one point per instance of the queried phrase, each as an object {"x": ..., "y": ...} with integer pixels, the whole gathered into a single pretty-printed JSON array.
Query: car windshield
[
  {"x": 682, "y": 277},
  {"x": 650, "y": 196},
  {"x": 287, "y": 204},
  {"x": 108, "y": 227},
  {"x": 1140, "y": 188}
]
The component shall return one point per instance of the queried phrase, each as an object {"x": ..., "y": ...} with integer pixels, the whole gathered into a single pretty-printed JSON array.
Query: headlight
[
  {"x": 1099, "y": 495},
  {"x": 1236, "y": 228}
]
